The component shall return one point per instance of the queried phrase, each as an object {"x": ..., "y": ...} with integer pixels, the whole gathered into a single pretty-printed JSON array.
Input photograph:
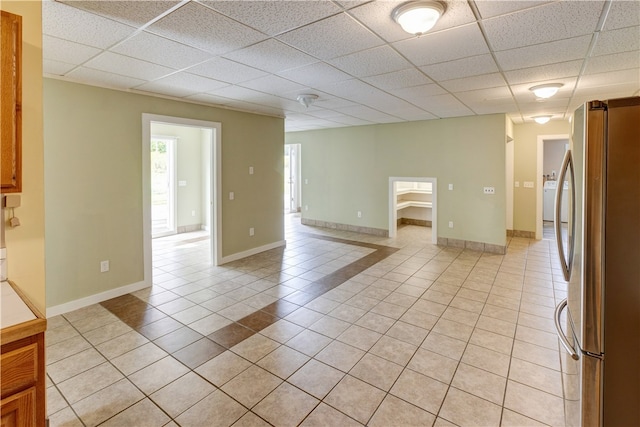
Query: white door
[{"x": 163, "y": 186}]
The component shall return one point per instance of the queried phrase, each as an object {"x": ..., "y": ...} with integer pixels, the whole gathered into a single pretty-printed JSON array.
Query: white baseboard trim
[
  {"x": 94, "y": 299},
  {"x": 253, "y": 251}
]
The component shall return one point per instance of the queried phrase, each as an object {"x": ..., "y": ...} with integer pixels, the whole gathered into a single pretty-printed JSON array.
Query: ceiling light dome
[
  {"x": 418, "y": 17},
  {"x": 546, "y": 90},
  {"x": 306, "y": 99},
  {"x": 541, "y": 119}
]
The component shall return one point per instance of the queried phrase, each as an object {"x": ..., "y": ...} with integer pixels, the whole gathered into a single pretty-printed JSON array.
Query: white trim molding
[
  {"x": 94, "y": 299},
  {"x": 253, "y": 251}
]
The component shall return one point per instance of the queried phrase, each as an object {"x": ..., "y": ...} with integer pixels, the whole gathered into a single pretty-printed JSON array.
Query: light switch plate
[{"x": 528, "y": 184}]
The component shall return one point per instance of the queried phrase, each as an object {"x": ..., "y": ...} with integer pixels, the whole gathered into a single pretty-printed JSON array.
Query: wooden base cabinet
[{"x": 22, "y": 367}]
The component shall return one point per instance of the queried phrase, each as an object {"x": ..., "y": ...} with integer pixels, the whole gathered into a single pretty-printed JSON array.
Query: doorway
[
  {"x": 292, "y": 168},
  {"x": 416, "y": 199},
  {"x": 549, "y": 148},
  {"x": 209, "y": 188},
  {"x": 163, "y": 186}
]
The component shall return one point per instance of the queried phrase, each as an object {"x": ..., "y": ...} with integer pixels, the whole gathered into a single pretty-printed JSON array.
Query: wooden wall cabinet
[
  {"x": 22, "y": 364},
  {"x": 11, "y": 104}
]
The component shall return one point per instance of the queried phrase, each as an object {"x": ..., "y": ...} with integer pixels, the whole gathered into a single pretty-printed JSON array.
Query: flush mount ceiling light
[
  {"x": 307, "y": 99},
  {"x": 546, "y": 90},
  {"x": 418, "y": 17},
  {"x": 541, "y": 119}
]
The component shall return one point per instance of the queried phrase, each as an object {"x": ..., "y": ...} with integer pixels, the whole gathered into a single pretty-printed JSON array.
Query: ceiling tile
[
  {"x": 273, "y": 85},
  {"x": 237, "y": 92},
  {"x": 413, "y": 93},
  {"x": 533, "y": 108},
  {"x": 101, "y": 78},
  {"x": 66, "y": 51},
  {"x": 351, "y": 121},
  {"x": 617, "y": 61},
  {"x": 465, "y": 67},
  {"x": 544, "y": 72},
  {"x": 159, "y": 50},
  {"x": 555, "y": 21},
  {"x": 546, "y": 53},
  {"x": 126, "y": 66},
  {"x": 445, "y": 105},
  {"x": 398, "y": 79},
  {"x": 227, "y": 71},
  {"x": 183, "y": 84},
  {"x": 56, "y": 68},
  {"x": 413, "y": 114},
  {"x": 134, "y": 13},
  {"x": 275, "y": 17},
  {"x": 522, "y": 92},
  {"x": 623, "y": 14},
  {"x": 333, "y": 102},
  {"x": 381, "y": 59},
  {"x": 332, "y": 37},
  {"x": 616, "y": 41},
  {"x": 613, "y": 77},
  {"x": 65, "y": 22},
  {"x": 492, "y": 95},
  {"x": 317, "y": 74},
  {"x": 196, "y": 25},
  {"x": 491, "y": 8},
  {"x": 271, "y": 55},
  {"x": 476, "y": 82},
  {"x": 366, "y": 113},
  {"x": 456, "y": 43}
]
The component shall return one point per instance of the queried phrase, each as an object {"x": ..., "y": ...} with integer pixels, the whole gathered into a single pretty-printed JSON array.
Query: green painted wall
[
  {"x": 348, "y": 170},
  {"x": 93, "y": 183}
]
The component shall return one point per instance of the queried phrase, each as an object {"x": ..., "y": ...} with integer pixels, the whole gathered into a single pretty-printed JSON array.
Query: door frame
[
  {"x": 173, "y": 186},
  {"x": 215, "y": 195},
  {"x": 393, "y": 213},
  {"x": 539, "y": 173}
]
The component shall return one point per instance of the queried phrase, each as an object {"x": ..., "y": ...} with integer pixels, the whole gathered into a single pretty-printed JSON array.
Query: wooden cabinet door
[
  {"x": 18, "y": 410},
  {"x": 11, "y": 103}
]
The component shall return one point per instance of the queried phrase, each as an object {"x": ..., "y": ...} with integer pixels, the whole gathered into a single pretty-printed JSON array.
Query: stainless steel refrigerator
[{"x": 599, "y": 250}]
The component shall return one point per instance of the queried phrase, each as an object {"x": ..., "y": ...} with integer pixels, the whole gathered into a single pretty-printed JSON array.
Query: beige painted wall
[
  {"x": 93, "y": 174},
  {"x": 526, "y": 141},
  {"x": 348, "y": 170},
  {"x": 25, "y": 244}
]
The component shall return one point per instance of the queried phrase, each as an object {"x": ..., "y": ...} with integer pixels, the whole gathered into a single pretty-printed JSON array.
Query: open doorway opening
[
  {"x": 550, "y": 152},
  {"x": 413, "y": 201},
  {"x": 192, "y": 174},
  {"x": 292, "y": 168}
]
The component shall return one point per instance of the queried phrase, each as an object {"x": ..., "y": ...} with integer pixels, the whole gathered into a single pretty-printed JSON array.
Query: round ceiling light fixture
[
  {"x": 307, "y": 99},
  {"x": 541, "y": 119},
  {"x": 546, "y": 90},
  {"x": 418, "y": 17}
]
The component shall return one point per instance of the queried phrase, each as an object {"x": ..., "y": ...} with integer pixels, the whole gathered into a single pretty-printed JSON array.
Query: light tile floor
[{"x": 336, "y": 329}]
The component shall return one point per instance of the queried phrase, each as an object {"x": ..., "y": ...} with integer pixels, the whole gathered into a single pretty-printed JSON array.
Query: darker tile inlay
[
  {"x": 177, "y": 339},
  {"x": 258, "y": 321},
  {"x": 231, "y": 335},
  {"x": 137, "y": 320},
  {"x": 198, "y": 353},
  {"x": 280, "y": 308}
]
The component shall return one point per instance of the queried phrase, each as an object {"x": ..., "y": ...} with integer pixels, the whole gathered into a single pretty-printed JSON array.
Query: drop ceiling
[{"x": 480, "y": 58}]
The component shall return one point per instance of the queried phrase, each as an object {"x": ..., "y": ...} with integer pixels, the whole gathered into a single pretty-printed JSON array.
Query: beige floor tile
[
  {"x": 536, "y": 376},
  {"x": 192, "y": 314},
  {"x": 497, "y": 326},
  {"x": 66, "y": 348},
  {"x": 444, "y": 345},
  {"x": 355, "y": 398},
  {"x": 532, "y": 321},
  {"x": 433, "y": 365},
  {"x": 316, "y": 378},
  {"x": 419, "y": 318},
  {"x": 408, "y": 333},
  {"x": 324, "y": 416},
  {"x": 376, "y": 322},
  {"x": 87, "y": 324},
  {"x": 347, "y": 313},
  {"x": 251, "y": 386},
  {"x": 304, "y": 317},
  {"x": 465, "y": 409},
  {"x": 535, "y": 354},
  {"x": 329, "y": 326},
  {"x": 107, "y": 332},
  {"x": 282, "y": 331},
  {"x": 429, "y": 307},
  {"x": 286, "y": 406},
  {"x": 59, "y": 334},
  {"x": 396, "y": 412},
  {"x": 501, "y": 313},
  {"x": 480, "y": 383},
  {"x": 121, "y": 344},
  {"x": 143, "y": 414},
  {"x": 138, "y": 358},
  {"x": 210, "y": 324},
  {"x": 107, "y": 402},
  {"x": 534, "y": 336},
  {"x": 74, "y": 365},
  {"x": 322, "y": 305},
  {"x": 359, "y": 337},
  {"x": 466, "y": 304},
  {"x": 217, "y": 409},
  {"x": 486, "y": 359},
  {"x": 181, "y": 394},
  {"x": 441, "y": 422},
  {"x": 376, "y": 371},
  {"x": 534, "y": 403},
  {"x": 394, "y": 350},
  {"x": 461, "y": 316},
  {"x": 308, "y": 342},
  {"x": 55, "y": 400},
  {"x": 251, "y": 420},
  {"x": 420, "y": 390},
  {"x": 223, "y": 368},
  {"x": 453, "y": 329},
  {"x": 82, "y": 385},
  {"x": 283, "y": 361},
  {"x": 158, "y": 374},
  {"x": 340, "y": 356},
  {"x": 513, "y": 419},
  {"x": 65, "y": 418},
  {"x": 255, "y": 347},
  {"x": 492, "y": 341}
]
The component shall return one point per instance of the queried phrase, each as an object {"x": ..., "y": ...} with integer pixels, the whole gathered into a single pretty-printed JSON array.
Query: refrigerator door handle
[
  {"x": 565, "y": 260},
  {"x": 563, "y": 338}
]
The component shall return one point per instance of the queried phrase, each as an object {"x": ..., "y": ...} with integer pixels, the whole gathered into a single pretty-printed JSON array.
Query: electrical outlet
[
  {"x": 231, "y": 195},
  {"x": 528, "y": 184},
  {"x": 450, "y": 224},
  {"x": 489, "y": 190},
  {"x": 250, "y": 170},
  {"x": 306, "y": 180},
  {"x": 252, "y": 231},
  {"x": 359, "y": 214},
  {"x": 450, "y": 186},
  {"x": 193, "y": 213},
  {"x": 306, "y": 207},
  {"x": 104, "y": 266}
]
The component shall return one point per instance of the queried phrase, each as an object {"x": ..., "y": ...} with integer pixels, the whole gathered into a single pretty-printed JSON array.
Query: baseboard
[
  {"x": 521, "y": 233},
  {"x": 189, "y": 228},
  {"x": 253, "y": 251},
  {"x": 95, "y": 299},
  {"x": 345, "y": 227},
  {"x": 473, "y": 246}
]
